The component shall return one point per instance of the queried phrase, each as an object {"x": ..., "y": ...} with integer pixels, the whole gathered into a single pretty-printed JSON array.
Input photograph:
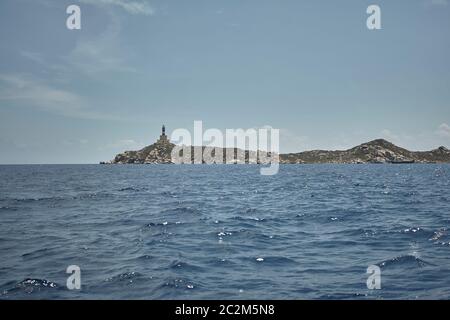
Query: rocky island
[
  {"x": 376, "y": 151},
  {"x": 158, "y": 152}
]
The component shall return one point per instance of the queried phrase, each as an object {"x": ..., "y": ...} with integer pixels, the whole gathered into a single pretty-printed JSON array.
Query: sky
[{"x": 310, "y": 68}]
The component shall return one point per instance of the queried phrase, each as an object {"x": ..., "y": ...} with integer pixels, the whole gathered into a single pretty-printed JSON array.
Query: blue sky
[{"x": 310, "y": 68}]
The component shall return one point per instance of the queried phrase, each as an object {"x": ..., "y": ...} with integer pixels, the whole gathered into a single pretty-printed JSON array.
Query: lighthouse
[{"x": 163, "y": 137}]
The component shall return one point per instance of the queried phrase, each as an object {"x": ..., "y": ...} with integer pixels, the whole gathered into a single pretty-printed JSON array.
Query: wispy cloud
[
  {"x": 423, "y": 140},
  {"x": 33, "y": 56},
  {"x": 439, "y": 2},
  {"x": 133, "y": 7},
  {"x": 444, "y": 130},
  {"x": 292, "y": 142},
  {"x": 90, "y": 55},
  {"x": 29, "y": 91},
  {"x": 99, "y": 54},
  {"x": 122, "y": 144},
  {"x": 389, "y": 135}
]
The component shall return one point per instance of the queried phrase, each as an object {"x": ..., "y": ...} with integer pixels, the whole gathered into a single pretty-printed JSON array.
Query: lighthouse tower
[{"x": 163, "y": 137}]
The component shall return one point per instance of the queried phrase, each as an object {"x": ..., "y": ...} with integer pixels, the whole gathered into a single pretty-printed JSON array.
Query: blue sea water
[{"x": 225, "y": 231}]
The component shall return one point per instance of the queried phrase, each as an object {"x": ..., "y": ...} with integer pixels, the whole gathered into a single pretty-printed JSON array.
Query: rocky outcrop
[
  {"x": 376, "y": 151},
  {"x": 158, "y": 153}
]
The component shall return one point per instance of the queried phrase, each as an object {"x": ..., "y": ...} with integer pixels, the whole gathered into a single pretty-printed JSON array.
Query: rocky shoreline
[{"x": 376, "y": 151}]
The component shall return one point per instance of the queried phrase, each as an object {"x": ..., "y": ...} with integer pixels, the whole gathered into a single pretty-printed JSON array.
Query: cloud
[
  {"x": 29, "y": 91},
  {"x": 419, "y": 140},
  {"x": 90, "y": 55},
  {"x": 102, "y": 53},
  {"x": 122, "y": 144},
  {"x": 388, "y": 135},
  {"x": 444, "y": 130},
  {"x": 438, "y": 2},
  {"x": 83, "y": 141},
  {"x": 33, "y": 56},
  {"x": 292, "y": 142},
  {"x": 132, "y": 7}
]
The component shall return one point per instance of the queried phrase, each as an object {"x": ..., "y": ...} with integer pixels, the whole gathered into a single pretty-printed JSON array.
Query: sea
[{"x": 225, "y": 232}]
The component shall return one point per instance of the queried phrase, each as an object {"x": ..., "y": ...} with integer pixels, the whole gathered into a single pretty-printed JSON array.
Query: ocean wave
[
  {"x": 132, "y": 188},
  {"x": 180, "y": 210},
  {"x": 145, "y": 257},
  {"x": 163, "y": 224},
  {"x": 443, "y": 243},
  {"x": 345, "y": 296},
  {"x": 417, "y": 231},
  {"x": 437, "y": 235},
  {"x": 81, "y": 196},
  {"x": 38, "y": 199},
  {"x": 181, "y": 265},
  {"x": 274, "y": 261},
  {"x": 168, "y": 193},
  {"x": 178, "y": 283},
  {"x": 404, "y": 260},
  {"x": 30, "y": 285},
  {"x": 354, "y": 232},
  {"x": 256, "y": 219},
  {"x": 412, "y": 230},
  {"x": 124, "y": 277},
  {"x": 240, "y": 233},
  {"x": 35, "y": 253},
  {"x": 8, "y": 208},
  {"x": 220, "y": 262}
]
